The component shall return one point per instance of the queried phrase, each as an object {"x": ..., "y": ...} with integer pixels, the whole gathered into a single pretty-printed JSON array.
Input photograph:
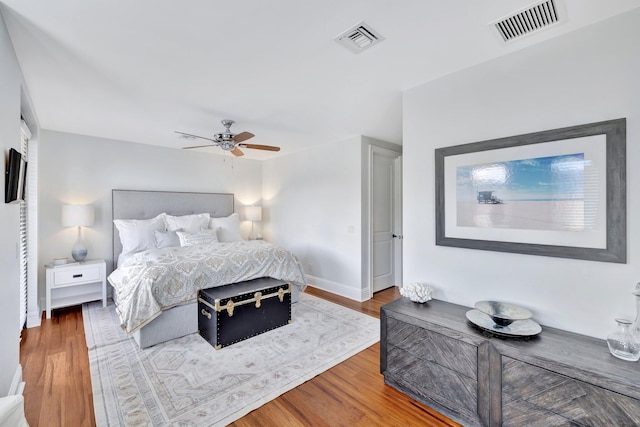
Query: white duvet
[{"x": 154, "y": 280}]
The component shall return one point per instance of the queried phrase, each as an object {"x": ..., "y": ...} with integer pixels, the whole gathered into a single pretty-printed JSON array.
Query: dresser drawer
[
  {"x": 434, "y": 382},
  {"x": 529, "y": 391},
  {"x": 434, "y": 347},
  {"x": 76, "y": 275},
  {"x": 518, "y": 413}
]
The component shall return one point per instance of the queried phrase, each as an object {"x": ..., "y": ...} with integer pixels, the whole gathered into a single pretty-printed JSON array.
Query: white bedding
[{"x": 157, "y": 279}]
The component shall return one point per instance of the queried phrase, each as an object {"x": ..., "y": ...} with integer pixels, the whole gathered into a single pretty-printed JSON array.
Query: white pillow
[
  {"x": 202, "y": 237},
  {"x": 228, "y": 228},
  {"x": 138, "y": 234},
  {"x": 166, "y": 239},
  {"x": 189, "y": 223}
]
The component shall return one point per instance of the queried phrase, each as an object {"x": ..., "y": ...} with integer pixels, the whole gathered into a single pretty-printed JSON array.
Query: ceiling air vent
[
  {"x": 534, "y": 18},
  {"x": 359, "y": 38}
]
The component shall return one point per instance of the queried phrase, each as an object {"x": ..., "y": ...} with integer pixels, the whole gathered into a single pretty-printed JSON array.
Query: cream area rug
[{"x": 186, "y": 382}]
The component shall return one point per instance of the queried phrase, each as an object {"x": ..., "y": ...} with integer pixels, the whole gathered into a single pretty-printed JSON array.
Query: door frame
[{"x": 368, "y": 290}]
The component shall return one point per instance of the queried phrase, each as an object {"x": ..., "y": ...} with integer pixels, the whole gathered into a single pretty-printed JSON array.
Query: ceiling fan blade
[
  {"x": 195, "y": 136},
  {"x": 243, "y": 136},
  {"x": 261, "y": 147},
  {"x": 200, "y": 146},
  {"x": 236, "y": 152}
]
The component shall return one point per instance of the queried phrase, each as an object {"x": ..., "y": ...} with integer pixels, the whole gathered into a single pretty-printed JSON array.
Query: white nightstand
[{"x": 76, "y": 283}]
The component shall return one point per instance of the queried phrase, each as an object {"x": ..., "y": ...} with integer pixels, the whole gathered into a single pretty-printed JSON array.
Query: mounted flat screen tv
[{"x": 15, "y": 177}]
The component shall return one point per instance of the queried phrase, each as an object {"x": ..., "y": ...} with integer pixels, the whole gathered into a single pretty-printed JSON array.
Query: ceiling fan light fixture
[{"x": 227, "y": 145}]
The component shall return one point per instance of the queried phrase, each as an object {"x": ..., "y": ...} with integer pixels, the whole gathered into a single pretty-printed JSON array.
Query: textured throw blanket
[{"x": 154, "y": 280}]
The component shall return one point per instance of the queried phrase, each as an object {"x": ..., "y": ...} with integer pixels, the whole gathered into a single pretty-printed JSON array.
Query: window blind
[{"x": 24, "y": 148}]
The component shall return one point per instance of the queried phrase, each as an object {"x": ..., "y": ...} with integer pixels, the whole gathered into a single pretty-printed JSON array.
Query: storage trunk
[{"x": 232, "y": 313}]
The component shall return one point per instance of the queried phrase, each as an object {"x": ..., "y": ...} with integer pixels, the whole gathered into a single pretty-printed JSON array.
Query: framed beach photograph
[{"x": 559, "y": 193}]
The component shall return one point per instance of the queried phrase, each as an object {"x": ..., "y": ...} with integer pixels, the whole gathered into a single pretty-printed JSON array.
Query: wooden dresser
[{"x": 433, "y": 354}]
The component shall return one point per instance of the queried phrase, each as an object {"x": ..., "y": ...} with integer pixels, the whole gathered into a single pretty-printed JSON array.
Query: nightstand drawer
[{"x": 77, "y": 275}]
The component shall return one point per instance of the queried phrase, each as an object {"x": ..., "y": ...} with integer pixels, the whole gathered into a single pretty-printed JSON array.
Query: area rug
[{"x": 187, "y": 382}]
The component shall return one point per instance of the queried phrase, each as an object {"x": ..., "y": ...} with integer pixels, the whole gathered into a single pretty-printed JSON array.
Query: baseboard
[
  {"x": 17, "y": 385},
  {"x": 364, "y": 294},
  {"x": 355, "y": 294},
  {"x": 34, "y": 318}
]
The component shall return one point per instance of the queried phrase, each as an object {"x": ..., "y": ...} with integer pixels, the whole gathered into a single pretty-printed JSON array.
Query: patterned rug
[{"x": 187, "y": 382}]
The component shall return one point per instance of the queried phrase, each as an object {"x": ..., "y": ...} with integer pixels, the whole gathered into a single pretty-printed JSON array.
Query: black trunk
[{"x": 232, "y": 313}]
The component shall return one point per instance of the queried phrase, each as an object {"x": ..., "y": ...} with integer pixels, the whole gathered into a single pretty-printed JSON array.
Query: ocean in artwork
[{"x": 546, "y": 193}]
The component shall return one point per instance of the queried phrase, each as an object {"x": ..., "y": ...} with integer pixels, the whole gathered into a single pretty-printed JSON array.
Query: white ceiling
[{"x": 138, "y": 70}]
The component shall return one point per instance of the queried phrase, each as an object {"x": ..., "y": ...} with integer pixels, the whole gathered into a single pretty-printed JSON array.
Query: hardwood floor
[
  {"x": 55, "y": 368},
  {"x": 58, "y": 392}
]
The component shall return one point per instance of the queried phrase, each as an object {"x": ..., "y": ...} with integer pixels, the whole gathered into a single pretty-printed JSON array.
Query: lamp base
[{"x": 79, "y": 251}]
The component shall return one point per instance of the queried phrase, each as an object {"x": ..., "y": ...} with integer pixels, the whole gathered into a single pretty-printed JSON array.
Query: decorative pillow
[
  {"x": 166, "y": 239},
  {"x": 138, "y": 234},
  {"x": 202, "y": 237},
  {"x": 189, "y": 223},
  {"x": 228, "y": 228}
]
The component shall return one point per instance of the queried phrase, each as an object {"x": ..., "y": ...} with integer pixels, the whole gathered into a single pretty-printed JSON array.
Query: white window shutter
[{"x": 24, "y": 148}]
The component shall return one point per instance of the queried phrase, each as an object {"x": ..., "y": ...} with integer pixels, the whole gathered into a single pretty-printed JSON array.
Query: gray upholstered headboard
[{"x": 134, "y": 204}]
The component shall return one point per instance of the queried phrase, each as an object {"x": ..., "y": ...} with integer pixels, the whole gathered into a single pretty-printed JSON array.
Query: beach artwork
[
  {"x": 558, "y": 192},
  {"x": 544, "y": 193}
]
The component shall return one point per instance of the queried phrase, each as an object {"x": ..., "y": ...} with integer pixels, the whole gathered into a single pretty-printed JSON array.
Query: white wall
[
  {"x": 311, "y": 202},
  {"x": 80, "y": 169},
  {"x": 10, "y": 81},
  {"x": 586, "y": 76},
  {"x": 315, "y": 205}
]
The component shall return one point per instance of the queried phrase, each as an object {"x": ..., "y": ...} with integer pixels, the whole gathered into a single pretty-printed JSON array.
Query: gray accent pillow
[{"x": 166, "y": 239}]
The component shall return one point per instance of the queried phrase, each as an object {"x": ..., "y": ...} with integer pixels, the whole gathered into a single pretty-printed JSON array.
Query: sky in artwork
[{"x": 542, "y": 178}]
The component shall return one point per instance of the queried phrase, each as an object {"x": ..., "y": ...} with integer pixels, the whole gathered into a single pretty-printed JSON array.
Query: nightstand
[{"x": 76, "y": 283}]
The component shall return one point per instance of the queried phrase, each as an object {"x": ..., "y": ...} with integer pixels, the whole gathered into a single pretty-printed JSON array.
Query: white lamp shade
[
  {"x": 253, "y": 213},
  {"x": 78, "y": 215}
]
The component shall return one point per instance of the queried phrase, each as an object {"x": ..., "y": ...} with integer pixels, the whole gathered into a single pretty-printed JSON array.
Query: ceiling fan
[{"x": 229, "y": 141}]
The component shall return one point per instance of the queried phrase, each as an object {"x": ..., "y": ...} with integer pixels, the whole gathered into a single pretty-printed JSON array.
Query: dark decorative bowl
[{"x": 502, "y": 313}]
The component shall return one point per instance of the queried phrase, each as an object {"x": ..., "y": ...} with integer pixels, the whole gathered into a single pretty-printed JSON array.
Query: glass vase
[
  {"x": 635, "y": 328},
  {"x": 622, "y": 343}
]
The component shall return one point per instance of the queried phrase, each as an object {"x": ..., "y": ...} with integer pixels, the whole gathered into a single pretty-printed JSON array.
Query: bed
[{"x": 152, "y": 308}]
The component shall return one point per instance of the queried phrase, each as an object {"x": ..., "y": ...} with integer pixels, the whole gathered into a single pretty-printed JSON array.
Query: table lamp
[
  {"x": 253, "y": 214},
  {"x": 78, "y": 216}
]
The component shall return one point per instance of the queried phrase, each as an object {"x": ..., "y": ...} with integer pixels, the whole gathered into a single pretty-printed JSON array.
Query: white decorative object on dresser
[{"x": 76, "y": 283}]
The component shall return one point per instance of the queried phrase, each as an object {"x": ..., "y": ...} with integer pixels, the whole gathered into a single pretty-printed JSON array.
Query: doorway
[{"x": 385, "y": 218}]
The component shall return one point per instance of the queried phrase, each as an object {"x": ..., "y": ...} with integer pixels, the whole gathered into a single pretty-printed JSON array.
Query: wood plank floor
[{"x": 58, "y": 392}]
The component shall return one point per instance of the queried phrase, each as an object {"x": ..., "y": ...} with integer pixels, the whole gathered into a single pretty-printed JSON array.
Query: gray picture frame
[{"x": 616, "y": 193}]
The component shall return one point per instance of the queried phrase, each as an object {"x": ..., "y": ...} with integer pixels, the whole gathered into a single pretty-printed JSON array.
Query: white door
[
  {"x": 385, "y": 218},
  {"x": 397, "y": 210}
]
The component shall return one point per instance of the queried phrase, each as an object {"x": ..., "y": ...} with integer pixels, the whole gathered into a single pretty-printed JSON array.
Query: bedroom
[{"x": 589, "y": 75}]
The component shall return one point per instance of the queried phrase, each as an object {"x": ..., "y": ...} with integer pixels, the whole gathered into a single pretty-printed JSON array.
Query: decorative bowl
[
  {"x": 503, "y": 313},
  {"x": 417, "y": 292},
  {"x": 60, "y": 261}
]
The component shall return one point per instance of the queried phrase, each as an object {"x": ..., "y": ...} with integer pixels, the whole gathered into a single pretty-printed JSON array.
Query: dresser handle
[{"x": 75, "y": 276}]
